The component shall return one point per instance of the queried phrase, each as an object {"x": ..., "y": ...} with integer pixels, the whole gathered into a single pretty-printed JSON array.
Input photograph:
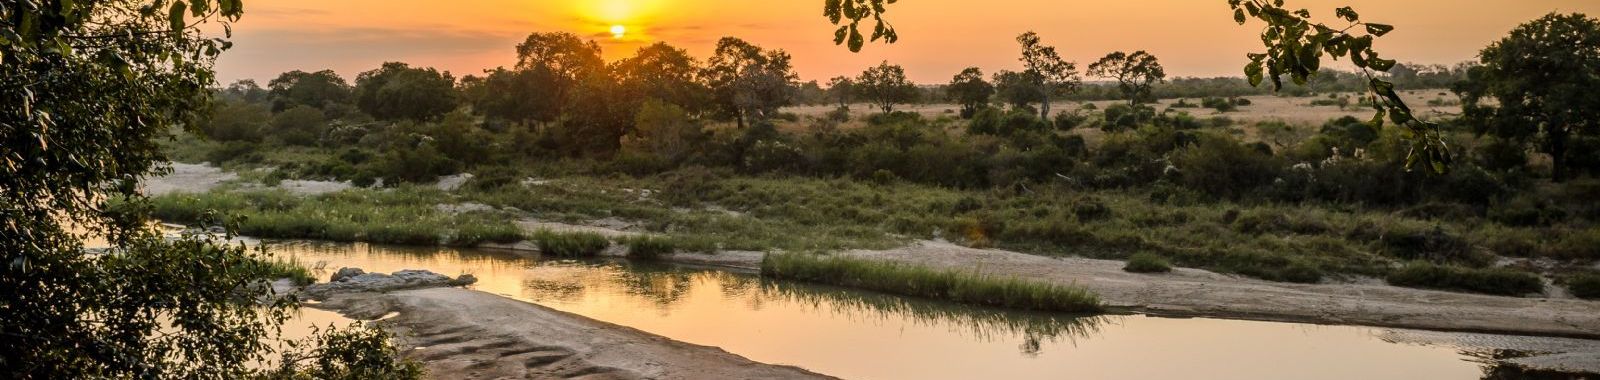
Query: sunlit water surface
[{"x": 864, "y": 335}]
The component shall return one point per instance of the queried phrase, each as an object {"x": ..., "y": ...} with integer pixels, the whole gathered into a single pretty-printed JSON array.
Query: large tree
[
  {"x": 399, "y": 91},
  {"x": 970, "y": 91},
  {"x": 1045, "y": 70},
  {"x": 556, "y": 63},
  {"x": 88, "y": 88},
  {"x": 885, "y": 85},
  {"x": 842, "y": 90},
  {"x": 748, "y": 82},
  {"x": 299, "y": 88},
  {"x": 1539, "y": 85},
  {"x": 1135, "y": 74},
  {"x": 662, "y": 72}
]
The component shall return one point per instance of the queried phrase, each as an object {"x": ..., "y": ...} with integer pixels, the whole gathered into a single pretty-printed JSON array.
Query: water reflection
[{"x": 855, "y": 334}]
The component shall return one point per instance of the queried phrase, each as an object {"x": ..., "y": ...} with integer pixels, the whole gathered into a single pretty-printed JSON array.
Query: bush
[
  {"x": 1496, "y": 281},
  {"x": 570, "y": 244},
  {"x": 1147, "y": 263},
  {"x": 1219, "y": 104},
  {"x": 1585, "y": 286},
  {"x": 649, "y": 247},
  {"x": 1222, "y": 167}
]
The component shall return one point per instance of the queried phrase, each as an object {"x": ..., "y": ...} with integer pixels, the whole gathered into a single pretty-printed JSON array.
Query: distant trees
[
  {"x": 298, "y": 88},
  {"x": 748, "y": 82},
  {"x": 885, "y": 85},
  {"x": 1538, "y": 85},
  {"x": 970, "y": 91},
  {"x": 1046, "y": 71},
  {"x": 1135, "y": 74},
  {"x": 842, "y": 90},
  {"x": 398, "y": 91}
]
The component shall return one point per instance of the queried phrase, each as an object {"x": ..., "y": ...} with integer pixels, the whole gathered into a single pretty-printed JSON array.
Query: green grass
[
  {"x": 570, "y": 244},
  {"x": 1496, "y": 281},
  {"x": 1586, "y": 286},
  {"x": 394, "y": 216},
  {"x": 281, "y": 268},
  {"x": 1147, "y": 263},
  {"x": 649, "y": 247},
  {"x": 955, "y": 286}
]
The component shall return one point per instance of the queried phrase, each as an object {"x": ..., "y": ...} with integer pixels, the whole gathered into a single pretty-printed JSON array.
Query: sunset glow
[{"x": 1194, "y": 38}]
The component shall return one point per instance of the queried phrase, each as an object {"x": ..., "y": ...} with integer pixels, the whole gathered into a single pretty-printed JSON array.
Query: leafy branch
[
  {"x": 848, "y": 14},
  {"x": 1296, "y": 45}
]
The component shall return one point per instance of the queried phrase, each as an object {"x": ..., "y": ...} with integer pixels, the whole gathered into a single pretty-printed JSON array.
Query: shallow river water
[{"x": 864, "y": 335}]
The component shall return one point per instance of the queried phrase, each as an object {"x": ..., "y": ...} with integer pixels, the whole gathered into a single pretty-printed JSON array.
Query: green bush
[
  {"x": 1586, "y": 286},
  {"x": 1497, "y": 281},
  {"x": 570, "y": 244},
  {"x": 649, "y": 247},
  {"x": 1147, "y": 263},
  {"x": 955, "y": 286}
]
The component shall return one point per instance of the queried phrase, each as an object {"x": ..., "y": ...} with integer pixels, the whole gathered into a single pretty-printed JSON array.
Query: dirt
[
  {"x": 186, "y": 178},
  {"x": 466, "y": 334}
]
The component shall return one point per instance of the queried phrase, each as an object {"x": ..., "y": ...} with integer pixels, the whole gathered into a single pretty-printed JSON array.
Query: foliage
[
  {"x": 1135, "y": 74},
  {"x": 319, "y": 90},
  {"x": 301, "y": 125},
  {"x": 885, "y": 85},
  {"x": 664, "y": 73},
  {"x": 969, "y": 90},
  {"x": 570, "y": 244},
  {"x": 1295, "y": 47},
  {"x": 663, "y": 131},
  {"x": 649, "y": 247},
  {"x": 398, "y": 91},
  {"x": 955, "y": 286},
  {"x": 1497, "y": 281},
  {"x": 352, "y": 353},
  {"x": 1586, "y": 286},
  {"x": 1534, "y": 85},
  {"x": 842, "y": 90},
  {"x": 847, "y": 14},
  {"x": 1046, "y": 71},
  {"x": 1147, "y": 263},
  {"x": 748, "y": 82}
]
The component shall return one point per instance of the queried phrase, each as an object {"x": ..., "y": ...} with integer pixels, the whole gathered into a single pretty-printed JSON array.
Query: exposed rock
[
  {"x": 379, "y": 282},
  {"x": 345, "y": 274},
  {"x": 464, "y": 280},
  {"x": 451, "y": 183}
]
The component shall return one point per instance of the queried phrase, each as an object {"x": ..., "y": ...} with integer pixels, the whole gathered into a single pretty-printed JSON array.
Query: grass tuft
[
  {"x": 285, "y": 268},
  {"x": 1496, "y": 281},
  {"x": 1147, "y": 263},
  {"x": 955, "y": 286},
  {"x": 1585, "y": 286},
  {"x": 649, "y": 247},
  {"x": 570, "y": 244}
]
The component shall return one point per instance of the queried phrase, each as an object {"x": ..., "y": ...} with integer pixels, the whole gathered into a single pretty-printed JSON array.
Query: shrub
[
  {"x": 1147, "y": 263},
  {"x": 1496, "y": 281},
  {"x": 1219, "y": 104},
  {"x": 1434, "y": 245},
  {"x": 649, "y": 247},
  {"x": 1223, "y": 167},
  {"x": 570, "y": 244},
  {"x": 1586, "y": 285},
  {"x": 955, "y": 286}
]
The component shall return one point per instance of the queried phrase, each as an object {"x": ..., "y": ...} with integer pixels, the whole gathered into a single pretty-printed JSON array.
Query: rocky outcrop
[{"x": 355, "y": 280}]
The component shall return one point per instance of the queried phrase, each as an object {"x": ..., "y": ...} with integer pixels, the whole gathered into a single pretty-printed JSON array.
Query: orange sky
[{"x": 938, "y": 37}]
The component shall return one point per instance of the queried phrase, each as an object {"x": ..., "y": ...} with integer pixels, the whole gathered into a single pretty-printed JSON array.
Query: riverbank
[
  {"x": 466, "y": 334},
  {"x": 1349, "y": 299}
]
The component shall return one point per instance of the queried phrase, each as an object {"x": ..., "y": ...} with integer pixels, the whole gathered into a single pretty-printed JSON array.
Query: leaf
[
  {"x": 1347, "y": 13},
  {"x": 175, "y": 16},
  {"x": 855, "y": 39},
  {"x": 1254, "y": 72},
  {"x": 1238, "y": 16},
  {"x": 1379, "y": 29}
]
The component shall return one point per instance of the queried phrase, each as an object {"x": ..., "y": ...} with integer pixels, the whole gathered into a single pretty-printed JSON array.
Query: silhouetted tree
[
  {"x": 1135, "y": 74},
  {"x": 399, "y": 91},
  {"x": 885, "y": 85},
  {"x": 1046, "y": 71},
  {"x": 970, "y": 91},
  {"x": 298, "y": 88},
  {"x": 747, "y": 81}
]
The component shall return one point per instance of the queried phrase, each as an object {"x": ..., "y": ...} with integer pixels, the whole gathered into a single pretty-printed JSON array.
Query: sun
[{"x": 617, "y": 31}]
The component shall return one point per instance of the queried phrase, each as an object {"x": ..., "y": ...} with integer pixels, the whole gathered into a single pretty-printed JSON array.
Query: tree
[
  {"x": 1538, "y": 84},
  {"x": 1046, "y": 71},
  {"x": 841, "y": 89},
  {"x": 664, "y": 131},
  {"x": 301, "y": 125},
  {"x": 555, "y": 63},
  {"x": 515, "y": 95},
  {"x": 970, "y": 91},
  {"x": 1135, "y": 74},
  {"x": 663, "y": 72},
  {"x": 1016, "y": 89},
  {"x": 885, "y": 85},
  {"x": 399, "y": 91},
  {"x": 298, "y": 88},
  {"x": 88, "y": 87},
  {"x": 747, "y": 81},
  {"x": 235, "y": 120}
]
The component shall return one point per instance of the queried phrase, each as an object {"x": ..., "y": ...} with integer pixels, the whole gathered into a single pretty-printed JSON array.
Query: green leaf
[
  {"x": 1347, "y": 13},
  {"x": 1379, "y": 29},
  {"x": 175, "y": 16},
  {"x": 1238, "y": 16}
]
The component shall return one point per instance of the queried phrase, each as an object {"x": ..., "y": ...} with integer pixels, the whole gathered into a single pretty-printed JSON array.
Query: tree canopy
[
  {"x": 1135, "y": 74},
  {"x": 1050, "y": 75},
  {"x": 885, "y": 85},
  {"x": 399, "y": 91},
  {"x": 1538, "y": 85},
  {"x": 747, "y": 81},
  {"x": 970, "y": 91}
]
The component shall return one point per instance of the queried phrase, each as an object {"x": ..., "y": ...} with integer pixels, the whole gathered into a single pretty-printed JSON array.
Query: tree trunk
[
  {"x": 1044, "y": 108},
  {"x": 738, "y": 116},
  {"x": 1558, "y": 154}
]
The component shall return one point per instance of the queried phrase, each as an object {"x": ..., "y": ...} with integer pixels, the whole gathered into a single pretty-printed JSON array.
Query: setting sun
[{"x": 617, "y": 31}]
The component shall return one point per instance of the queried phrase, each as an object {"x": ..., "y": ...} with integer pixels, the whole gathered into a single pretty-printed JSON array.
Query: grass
[
  {"x": 955, "y": 286},
  {"x": 290, "y": 269},
  {"x": 1585, "y": 286},
  {"x": 1147, "y": 263},
  {"x": 649, "y": 247},
  {"x": 1496, "y": 281},
  {"x": 396, "y": 216},
  {"x": 570, "y": 244}
]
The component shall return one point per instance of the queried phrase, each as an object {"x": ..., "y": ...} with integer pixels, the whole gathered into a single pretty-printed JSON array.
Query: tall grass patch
[
  {"x": 1496, "y": 281},
  {"x": 1147, "y": 263},
  {"x": 950, "y": 285},
  {"x": 570, "y": 244},
  {"x": 649, "y": 247}
]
